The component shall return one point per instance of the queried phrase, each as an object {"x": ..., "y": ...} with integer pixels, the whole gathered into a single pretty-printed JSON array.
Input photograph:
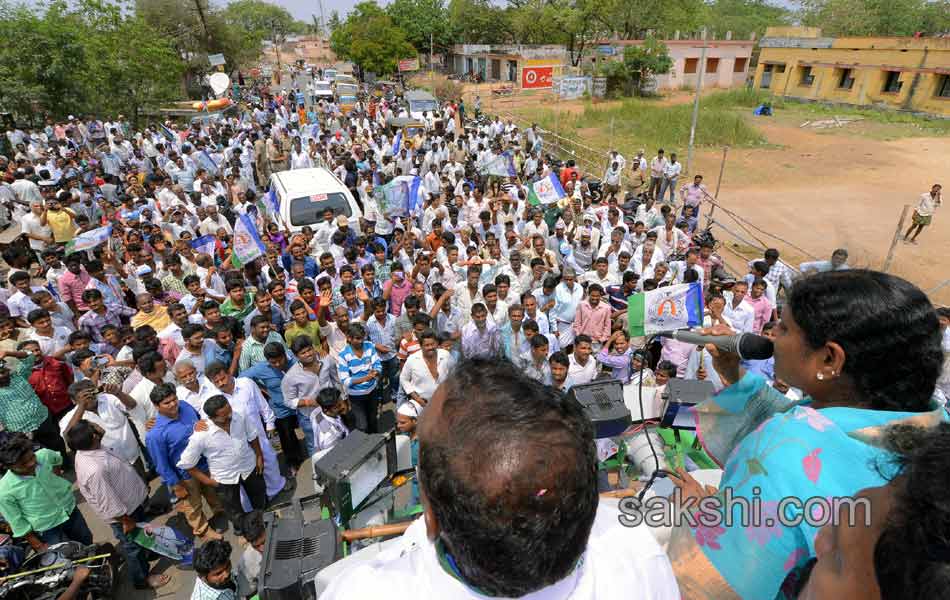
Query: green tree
[
  {"x": 744, "y": 17},
  {"x": 87, "y": 56},
  {"x": 645, "y": 61},
  {"x": 41, "y": 60},
  {"x": 640, "y": 63},
  {"x": 876, "y": 17},
  {"x": 420, "y": 19},
  {"x": 130, "y": 66},
  {"x": 478, "y": 22},
  {"x": 370, "y": 39},
  {"x": 261, "y": 19}
]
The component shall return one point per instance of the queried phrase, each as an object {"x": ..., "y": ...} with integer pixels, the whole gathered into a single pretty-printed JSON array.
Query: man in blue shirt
[
  {"x": 298, "y": 252},
  {"x": 268, "y": 376},
  {"x": 165, "y": 442}
]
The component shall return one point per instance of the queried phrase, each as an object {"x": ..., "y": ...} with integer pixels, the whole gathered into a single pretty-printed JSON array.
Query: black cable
[{"x": 657, "y": 471}]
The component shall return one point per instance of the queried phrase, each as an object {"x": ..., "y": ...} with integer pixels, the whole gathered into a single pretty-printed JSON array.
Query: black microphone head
[{"x": 754, "y": 347}]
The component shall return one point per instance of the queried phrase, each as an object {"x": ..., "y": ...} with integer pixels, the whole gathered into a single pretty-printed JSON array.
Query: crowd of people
[{"x": 152, "y": 355}]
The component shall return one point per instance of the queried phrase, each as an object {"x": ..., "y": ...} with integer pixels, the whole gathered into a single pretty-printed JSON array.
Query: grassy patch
[{"x": 638, "y": 123}]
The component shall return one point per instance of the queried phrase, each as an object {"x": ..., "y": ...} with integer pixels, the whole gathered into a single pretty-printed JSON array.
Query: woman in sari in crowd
[{"x": 864, "y": 348}]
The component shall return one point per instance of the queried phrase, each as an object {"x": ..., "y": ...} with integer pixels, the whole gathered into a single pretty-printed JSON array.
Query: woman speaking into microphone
[{"x": 864, "y": 348}]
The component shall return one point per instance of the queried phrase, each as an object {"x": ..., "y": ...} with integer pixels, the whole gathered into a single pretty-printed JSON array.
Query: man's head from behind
[{"x": 508, "y": 471}]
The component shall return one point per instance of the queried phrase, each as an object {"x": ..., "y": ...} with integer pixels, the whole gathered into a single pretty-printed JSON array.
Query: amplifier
[
  {"x": 602, "y": 402},
  {"x": 295, "y": 549},
  {"x": 354, "y": 468}
]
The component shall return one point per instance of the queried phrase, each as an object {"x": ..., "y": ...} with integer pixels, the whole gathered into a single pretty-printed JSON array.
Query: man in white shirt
[
  {"x": 416, "y": 378},
  {"x": 32, "y": 227},
  {"x": 671, "y": 172},
  {"x": 739, "y": 313},
  {"x": 657, "y": 168},
  {"x": 577, "y": 548},
  {"x": 245, "y": 397},
  {"x": 214, "y": 221},
  {"x": 923, "y": 213},
  {"x": 235, "y": 460}
]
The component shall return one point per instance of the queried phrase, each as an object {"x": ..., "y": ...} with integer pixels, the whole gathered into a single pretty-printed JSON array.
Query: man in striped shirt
[{"x": 359, "y": 367}]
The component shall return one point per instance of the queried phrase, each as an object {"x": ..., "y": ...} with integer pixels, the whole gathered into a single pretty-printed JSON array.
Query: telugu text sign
[
  {"x": 409, "y": 64},
  {"x": 537, "y": 77}
]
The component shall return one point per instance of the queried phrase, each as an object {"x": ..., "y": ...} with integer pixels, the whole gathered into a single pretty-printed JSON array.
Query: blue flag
[
  {"x": 400, "y": 197},
  {"x": 168, "y": 133},
  {"x": 247, "y": 244},
  {"x": 273, "y": 201},
  {"x": 397, "y": 142},
  {"x": 204, "y": 245}
]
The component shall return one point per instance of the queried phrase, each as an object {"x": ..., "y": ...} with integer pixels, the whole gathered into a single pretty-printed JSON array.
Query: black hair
[
  {"x": 191, "y": 329},
  {"x": 213, "y": 368},
  {"x": 328, "y": 397},
  {"x": 19, "y": 276},
  {"x": 356, "y": 330},
  {"x": 301, "y": 342},
  {"x": 887, "y": 328},
  {"x": 667, "y": 367},
  {"x": 81, "y": 436},
  {"x": 515, "y": 502},
  {"x": 212, "y": 554},
  {"x": 911, "y": 555},
  {"x": 582, "y": 339},
  {"x": 428, "y": 334},
  {"x": 538, "y": 341},
  {"x": 213, "y": 404},
  {"x": 160, "y": 392},
  {"x": 253, "y": 526},
  {"x": 146, "y": 363},
  {"x": 560, "y": 358},
  {"x": 273, "y": 350},
  {"x": 36, "y": 314},
  {"x": 258, "y": 319},
  {"x": 81, "y": 355},
  {"x": 421, "y": 319},
  {"x": 13, "y": 447}
]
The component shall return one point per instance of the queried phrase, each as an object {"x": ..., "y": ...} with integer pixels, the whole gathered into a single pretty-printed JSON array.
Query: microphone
[{"x": 747, "y": 345}]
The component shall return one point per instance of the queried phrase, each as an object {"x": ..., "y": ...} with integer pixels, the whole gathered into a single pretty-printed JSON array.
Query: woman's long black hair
[{"x": 887, "y": 327}]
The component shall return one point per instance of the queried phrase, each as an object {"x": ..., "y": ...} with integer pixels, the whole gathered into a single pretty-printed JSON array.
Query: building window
[
  {"x": 846, "y": 80},
  {"x": 808, "y": 77},
  {"x": 739, "y": 65},
  {"x": 690, "y": 65},
  {"x": 892, "y": 82},
  {"x": 765, "y": 82},
  {"x": 943, "y": 86},
  {"x": 712, "y": 65}
]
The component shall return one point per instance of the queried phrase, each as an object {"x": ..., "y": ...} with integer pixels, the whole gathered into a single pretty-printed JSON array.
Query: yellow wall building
[{"x": 910, "y": 74}]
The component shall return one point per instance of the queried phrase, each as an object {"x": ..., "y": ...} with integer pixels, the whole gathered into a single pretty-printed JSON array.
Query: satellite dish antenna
[{"x": 219, "y": 82}]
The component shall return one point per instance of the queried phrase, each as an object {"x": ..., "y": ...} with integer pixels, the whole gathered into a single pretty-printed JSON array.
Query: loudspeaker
[
  {"x": 294, "y": 551},
  {"x": 602, "y": 402}
]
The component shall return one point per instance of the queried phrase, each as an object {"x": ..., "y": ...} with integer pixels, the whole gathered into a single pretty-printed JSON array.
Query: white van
[
  {"x": 323, "y": 90},
  {"x": 304, "y": 194}
]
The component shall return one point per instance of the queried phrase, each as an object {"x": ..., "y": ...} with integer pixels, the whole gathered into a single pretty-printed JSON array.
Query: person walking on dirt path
[{"x": 923, "y": 213}]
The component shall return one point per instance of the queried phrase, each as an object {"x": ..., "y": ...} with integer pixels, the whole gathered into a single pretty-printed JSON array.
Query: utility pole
[
  {"x": 431, "y": 75},
  {"x": 699, "y": 91}
]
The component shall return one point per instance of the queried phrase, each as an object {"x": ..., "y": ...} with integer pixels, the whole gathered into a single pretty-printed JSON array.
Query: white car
[
  {"x": 303, "y": 195},
  {"x": 323, "y": 90}
]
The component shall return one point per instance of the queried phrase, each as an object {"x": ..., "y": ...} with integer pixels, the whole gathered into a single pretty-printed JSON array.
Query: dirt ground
[
  {"x": 822, "y": 190},
  {"x": 819, "y": 189}
]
